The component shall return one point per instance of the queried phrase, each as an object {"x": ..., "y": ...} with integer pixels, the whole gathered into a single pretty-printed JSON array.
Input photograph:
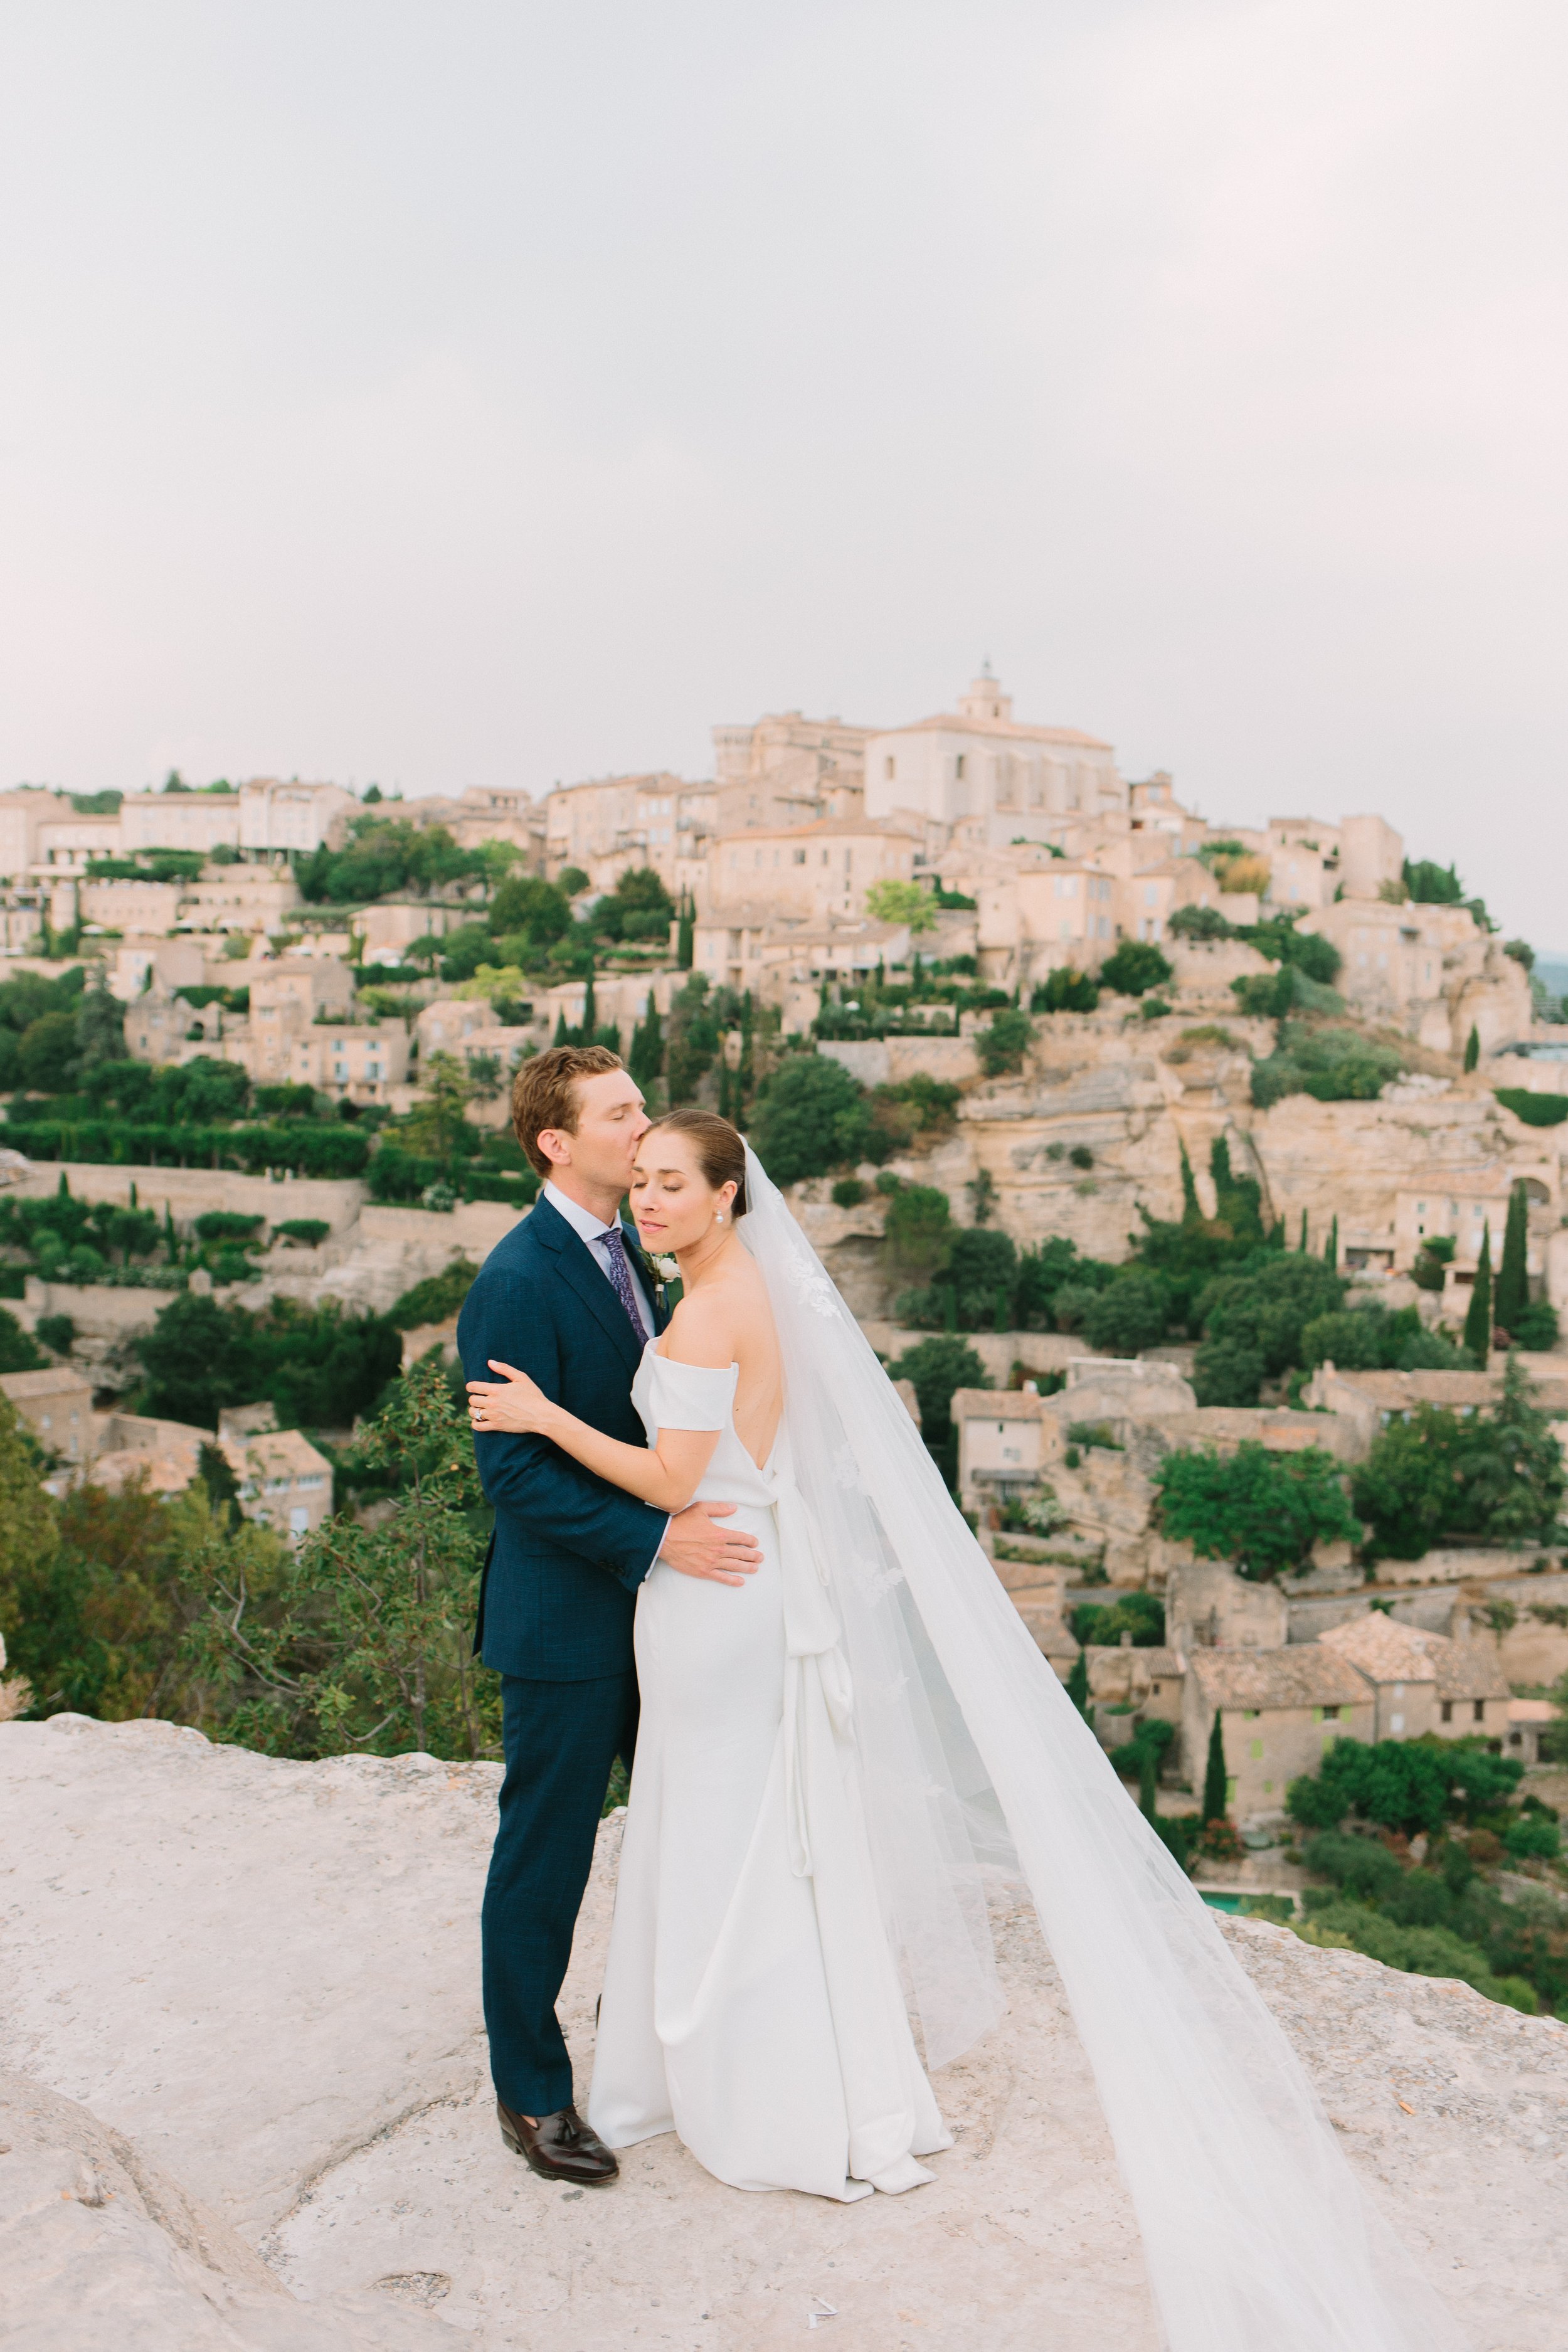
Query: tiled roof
[
  {"x": 274, "y": 1453},
  {"x": 60, "y": 1379},
  {"x": 1305, "y": 1674},
  {"x": 1157, "y": 1661},
  {"x": 955, "y": 722},
  {"x": 1388, "y": 1652},
  {"x": 1385, "y": 1651},
  {"x": 1469, "y": 1670},
  {"x": 997, "y": 1404}
]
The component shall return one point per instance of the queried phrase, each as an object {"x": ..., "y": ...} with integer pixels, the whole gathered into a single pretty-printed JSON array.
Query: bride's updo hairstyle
[{"x": 720, "y": 1154}]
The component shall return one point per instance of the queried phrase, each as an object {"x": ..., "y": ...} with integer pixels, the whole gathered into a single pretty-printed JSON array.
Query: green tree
[
  {"x": 1217, "y": 1784},
  {"x": 1267, "y": 1308},
  {"x": 526, "y": 904},
  {"x": 1263, "y": 1510},
  {"x": 809, "y": 1116},
  {"x": 47, "y": 1051},
  {"x": 1514, "y": 1465},
  {"x": 1129, "y": 1315},
  {"x": 645, "y": 1060},
  {"x": 1065, "y": 990},
  {"x": 1472, "y": 1048},
  {"x": 919, "y": 1229},
  {"x": 18, "y": 1353},
  {"x": 937, "y": 1367},
  {"x": 1077, "y": 1686},
  {"x": 1479, "y": 1314},
  {"x": 372, "y": 1656},
  {"x": 694, "y": 1035},
  {"x": 892, "y": 901},
  {"x": 437, "y": 1126},
  {"x": 1137, "y": 965},
  {"x": 1004, "y": 1042},
  {"x": 100, "y": 1027},
  {"x": 1512, "y": 1282},
  {"x": 685, "y": 935}
]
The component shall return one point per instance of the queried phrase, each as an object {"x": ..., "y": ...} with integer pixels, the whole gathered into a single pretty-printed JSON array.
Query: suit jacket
[{"x": 569, "y": 1550}]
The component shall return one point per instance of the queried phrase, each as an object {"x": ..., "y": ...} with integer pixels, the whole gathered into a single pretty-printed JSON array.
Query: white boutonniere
[{"x": 666, "y": 1268}]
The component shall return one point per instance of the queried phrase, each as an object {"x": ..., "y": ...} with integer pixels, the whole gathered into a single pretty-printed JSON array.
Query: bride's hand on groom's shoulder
[{"x": 513, "y": 1403}]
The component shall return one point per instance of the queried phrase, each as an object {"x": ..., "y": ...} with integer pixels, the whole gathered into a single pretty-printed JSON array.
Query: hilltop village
[{"x": 1200, "y": 1184}]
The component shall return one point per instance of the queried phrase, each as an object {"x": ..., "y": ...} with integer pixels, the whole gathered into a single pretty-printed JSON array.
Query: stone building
[
  {"x": 284, "y": 1483},
  {"x": 614, "y": 823},
  {"x": 809, "y": 873},
  {"x": 1005, "y": 1438},
  {"x": 1279, "y": 1710},
  {"x": 992, "y": 779},
  {"x": 294, "y": 819},
  {"x": 198, "y": 822},
  {"x": 57, "y": 1406},
  {"x": 1424, "y": 1682},
  {"x": 787, "y": 771}
]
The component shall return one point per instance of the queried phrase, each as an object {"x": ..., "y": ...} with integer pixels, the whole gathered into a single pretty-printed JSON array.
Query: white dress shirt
[{"x": 592, "y": 1230}]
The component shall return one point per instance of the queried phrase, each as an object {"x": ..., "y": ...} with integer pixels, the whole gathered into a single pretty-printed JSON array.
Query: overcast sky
[{"x": 469, "y": 393}]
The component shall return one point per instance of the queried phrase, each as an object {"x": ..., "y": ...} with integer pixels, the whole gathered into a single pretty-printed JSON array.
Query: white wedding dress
[
  {"x": 836, "y": 1762},
  {"x": 751, "y": 2000}
]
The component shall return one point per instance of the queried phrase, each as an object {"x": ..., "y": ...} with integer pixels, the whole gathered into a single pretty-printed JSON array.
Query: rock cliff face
[{"x": 255, "y": 1984}]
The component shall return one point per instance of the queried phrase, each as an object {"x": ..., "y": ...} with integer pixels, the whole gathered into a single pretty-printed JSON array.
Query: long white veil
[{"x": 1255, "y": 2232}]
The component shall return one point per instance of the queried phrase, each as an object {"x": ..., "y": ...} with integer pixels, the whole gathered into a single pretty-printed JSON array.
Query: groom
[{"x": 562, "y": 1299}]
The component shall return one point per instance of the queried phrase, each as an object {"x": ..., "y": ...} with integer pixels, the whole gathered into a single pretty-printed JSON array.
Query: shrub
[
  {"x": 1534, "y": 1838},
  {"x": 1362, "y": 1865},
  {"x": 1065, "y": 990},
  {"x": 1227, "y": 1372},
  {"x": 1333, "y": 1065},
  {"x": 919, "y": 1227},
  {"x": 937, "y": 1367},
  {"x": 1262, "y": 1510},
  {"x": 1129, "y": 1315},
  {"x": 1417, "y": 1951},
  {"x": 1142, "y": 1615},
  {"x": 1200, "y": 923},
  {"x": 436, "y": 1298},
  {"x": 807, "y": 1117},
  {"x": 849, "y": 1192},
  {"x": 226, "y": 1225},
  {"x": 1081, "y": 1156},
  {"x": 57, "y": 1332},
  {"x": 1136, "y": 966},
  {"x": 1535, "y": 1110},
  {"x": 308, "y": 1231},
  {"x": 1004, "y": 1042},
  {"x": 1268, "y": 1307}
]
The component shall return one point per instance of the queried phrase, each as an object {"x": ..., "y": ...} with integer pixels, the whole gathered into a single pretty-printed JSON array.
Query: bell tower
[{"x": 985, "y": 699}]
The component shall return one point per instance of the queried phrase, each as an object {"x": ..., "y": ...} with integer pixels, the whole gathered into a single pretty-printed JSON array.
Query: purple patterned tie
[{"x": 615, "y": 1249}]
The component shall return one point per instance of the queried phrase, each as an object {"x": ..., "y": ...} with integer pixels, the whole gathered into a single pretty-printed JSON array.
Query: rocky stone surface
[{"x": 260, "y": 1980}]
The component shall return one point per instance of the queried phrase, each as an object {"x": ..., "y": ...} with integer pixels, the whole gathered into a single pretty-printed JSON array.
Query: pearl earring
[{"x": 720, "y": 1216}]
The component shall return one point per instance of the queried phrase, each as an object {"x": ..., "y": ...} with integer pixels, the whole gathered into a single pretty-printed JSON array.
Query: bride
[{"x": 832, "y": 1763}]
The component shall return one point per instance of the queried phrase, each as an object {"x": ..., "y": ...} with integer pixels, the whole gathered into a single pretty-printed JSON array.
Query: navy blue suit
[{"x": 555, "y": 1621}]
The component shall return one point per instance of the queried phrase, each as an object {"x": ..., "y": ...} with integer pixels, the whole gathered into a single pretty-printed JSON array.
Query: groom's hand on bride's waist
[{"x": 698, "y": 1543}]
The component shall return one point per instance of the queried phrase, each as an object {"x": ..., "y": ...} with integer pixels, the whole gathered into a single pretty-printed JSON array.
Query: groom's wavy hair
[
  {"x": 721, "y": 1152},
  {"x": 545, "y": 1094}
]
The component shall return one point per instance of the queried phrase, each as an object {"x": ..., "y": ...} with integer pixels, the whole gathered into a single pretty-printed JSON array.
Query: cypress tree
[
  {"x": 1331, "y": 1246},
  {"x": 648, "y": 1046},
  {"x": 1077, "y": 1686},
  {"x": 683, "y": 950},
  {"x": 1301, "y": 1245},
  {"x": 1191, "y": 1213},
  {"x": 1472, "y": 1048},
  {"x": 1513, "y": 1283},
  {"x": 590, "y": 1011},
  {"x": 561, "y": 1037},
  {"x": 1148, "y": 1781},
  {"x": 1215, "y": 1776},
  {"x": 1479, "y": 1314}
]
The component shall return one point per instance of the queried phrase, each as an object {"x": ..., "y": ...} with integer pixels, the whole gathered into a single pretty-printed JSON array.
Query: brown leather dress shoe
[{"x": 559, "y": 2148}]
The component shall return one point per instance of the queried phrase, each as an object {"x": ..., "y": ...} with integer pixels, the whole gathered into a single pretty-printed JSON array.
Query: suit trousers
[{"x": 560, "y": 1740}]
